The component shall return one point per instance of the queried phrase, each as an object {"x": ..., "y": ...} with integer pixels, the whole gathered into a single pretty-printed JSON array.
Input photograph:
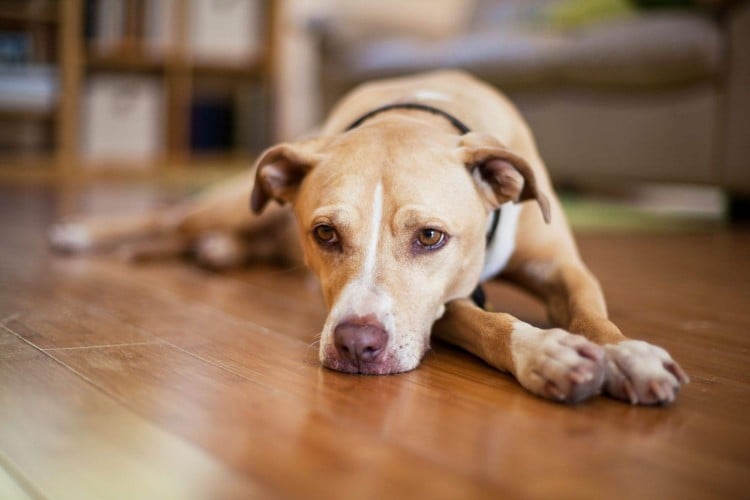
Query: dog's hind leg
[
  {"x": 551, "y": 363},
  {"x": 152, "y": 248},
  {"x": 217, "y": 208},
  {"x": 106, "y": 231},
  {"x": 222, "y": 209}
]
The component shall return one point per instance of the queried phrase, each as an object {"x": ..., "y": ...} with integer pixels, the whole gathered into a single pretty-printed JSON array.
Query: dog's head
[{"x": 392, "y": 220}]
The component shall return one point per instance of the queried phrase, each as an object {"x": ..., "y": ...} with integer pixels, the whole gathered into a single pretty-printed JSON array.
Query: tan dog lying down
[{"x": 396, "y": 207}]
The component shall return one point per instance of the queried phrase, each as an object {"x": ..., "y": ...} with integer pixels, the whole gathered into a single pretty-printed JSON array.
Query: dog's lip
[{"x": 384, "y": 367}]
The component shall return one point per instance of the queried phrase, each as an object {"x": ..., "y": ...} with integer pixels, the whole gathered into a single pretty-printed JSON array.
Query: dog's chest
[{"x": 503, "y": 242}]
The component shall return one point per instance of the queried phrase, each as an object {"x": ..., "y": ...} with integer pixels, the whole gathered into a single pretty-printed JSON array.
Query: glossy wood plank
[
  {"x": 275, "y": 362},
  {"x": 73, "y": 441},
  {"x": 259, "y": 430},
  {"x": 223, "y": 364},
  {"x": 53, "y": 320}
]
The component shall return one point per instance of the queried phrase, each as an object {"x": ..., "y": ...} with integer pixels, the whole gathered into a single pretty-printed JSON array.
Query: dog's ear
[
  {"x": 501, "y": 175},
  {"x": 280, "y": 170}
]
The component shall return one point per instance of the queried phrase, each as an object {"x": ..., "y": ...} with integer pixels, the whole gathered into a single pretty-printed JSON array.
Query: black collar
[
  {"x": 478, "y": 295},
  {"x": 457, "y": 124}
]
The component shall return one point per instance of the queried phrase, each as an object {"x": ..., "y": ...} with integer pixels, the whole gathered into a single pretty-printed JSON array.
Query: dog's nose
[{"x": 360, "y": 340}]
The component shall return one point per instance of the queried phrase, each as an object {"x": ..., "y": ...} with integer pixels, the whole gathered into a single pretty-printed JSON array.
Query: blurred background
[{"x": 642, "y": 101}]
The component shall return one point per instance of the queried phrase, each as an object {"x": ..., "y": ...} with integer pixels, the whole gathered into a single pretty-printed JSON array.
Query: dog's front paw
[
  {"x": 642, "y": 373},
  {"x": 558, "y": 365}
]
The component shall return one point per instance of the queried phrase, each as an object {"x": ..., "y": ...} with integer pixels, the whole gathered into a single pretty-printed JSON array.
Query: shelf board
[
  {"x": 27, "y": 15},
  {"x": 45, "y": 168},
  {"x": 251, "y": 69},
  {"x": 27, "y": 166},
  {"x": 138, "y": 61},
  {"x": 222, "y": 158},
  {"x": 27, "y": 114},
  {"x": 254, "y": 65},
  {"x": 124, "y": 62}
]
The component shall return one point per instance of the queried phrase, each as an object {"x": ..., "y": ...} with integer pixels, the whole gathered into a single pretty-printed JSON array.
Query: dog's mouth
[{"x": 385, "y": 366}]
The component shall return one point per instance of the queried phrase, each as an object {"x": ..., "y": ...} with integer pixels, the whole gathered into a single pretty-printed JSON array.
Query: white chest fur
[{"x": 500, "y": 248}]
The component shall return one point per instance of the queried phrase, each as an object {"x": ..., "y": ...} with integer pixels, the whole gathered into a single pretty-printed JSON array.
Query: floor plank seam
[
  {"x": 21, "y": 337},
  {"x": 15, "y": 472},
  {"x": 48, "y": 354},
  {"x": 218, "y": 364},
  {"x": 104, "y": 346}
]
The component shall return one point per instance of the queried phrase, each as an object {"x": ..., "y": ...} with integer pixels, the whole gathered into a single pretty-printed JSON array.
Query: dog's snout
[{"x": 360, "y": 340}]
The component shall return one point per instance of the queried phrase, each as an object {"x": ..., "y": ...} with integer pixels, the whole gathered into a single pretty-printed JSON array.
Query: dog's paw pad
[
  {"x": 559, "y": 365},
  {"x": 69, "y": 237},
  {"x": 641, "y": 373}
]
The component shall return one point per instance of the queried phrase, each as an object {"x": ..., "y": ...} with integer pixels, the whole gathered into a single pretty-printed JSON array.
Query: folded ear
[
  {"x": 502, "y": 176},
  {"x": 279, "y": 172}
]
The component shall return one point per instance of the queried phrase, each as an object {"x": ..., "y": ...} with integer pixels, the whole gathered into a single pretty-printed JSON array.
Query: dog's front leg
[
  {"x": 636, "y": 371},
  {"x": 554, "y": 364}
]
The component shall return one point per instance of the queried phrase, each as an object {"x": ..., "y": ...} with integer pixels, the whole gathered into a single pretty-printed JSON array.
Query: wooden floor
[{"x": 166, "y": 381}]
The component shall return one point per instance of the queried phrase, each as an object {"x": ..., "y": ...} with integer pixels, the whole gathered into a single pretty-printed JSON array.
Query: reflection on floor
[{"x": 168, "y": 381}]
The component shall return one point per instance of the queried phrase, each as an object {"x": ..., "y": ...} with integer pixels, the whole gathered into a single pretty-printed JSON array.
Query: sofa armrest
[{"x": 736, "y": 172}]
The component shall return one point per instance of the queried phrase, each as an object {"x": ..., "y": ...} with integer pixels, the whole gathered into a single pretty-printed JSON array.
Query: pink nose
[{"x": 360, "y": 340}]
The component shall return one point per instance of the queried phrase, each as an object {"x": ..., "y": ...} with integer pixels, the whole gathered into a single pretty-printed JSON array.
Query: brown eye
[
  {"x": 325, "y": 234},
  {"x": 430, "y": 238}
]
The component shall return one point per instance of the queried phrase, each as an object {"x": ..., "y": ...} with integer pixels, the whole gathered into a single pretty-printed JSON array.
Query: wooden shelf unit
[{"x": 178, "y": 73}]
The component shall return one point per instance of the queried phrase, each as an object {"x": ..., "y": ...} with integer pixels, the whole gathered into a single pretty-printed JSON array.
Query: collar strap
[{"x": 457, "y": 124}]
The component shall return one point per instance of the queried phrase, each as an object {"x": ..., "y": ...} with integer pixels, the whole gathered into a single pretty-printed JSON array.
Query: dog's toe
[
  {"x": 562, "y": 367},
  {"x": 641, "y": 373}
]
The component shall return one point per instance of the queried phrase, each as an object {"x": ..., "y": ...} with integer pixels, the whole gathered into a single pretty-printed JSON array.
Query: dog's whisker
[{"x": 314, "y": 343}]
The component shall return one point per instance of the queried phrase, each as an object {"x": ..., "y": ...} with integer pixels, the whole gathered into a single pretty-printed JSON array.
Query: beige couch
[{"x": 658, "y": 95}]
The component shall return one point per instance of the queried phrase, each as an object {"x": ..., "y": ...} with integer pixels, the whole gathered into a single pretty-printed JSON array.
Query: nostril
[
  {"x": 369, "y": 354},
  {"x": 360, "y": 340}
]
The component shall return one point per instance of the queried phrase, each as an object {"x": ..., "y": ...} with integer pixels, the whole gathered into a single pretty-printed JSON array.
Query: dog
[{"x": 413, "y": 192}]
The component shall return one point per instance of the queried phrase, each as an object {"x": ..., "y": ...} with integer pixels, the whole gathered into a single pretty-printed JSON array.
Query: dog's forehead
[
  {"x": 428, "y": 189},
  {"x": 413, "y": 168},
  {"x": 392, "y": 140}
]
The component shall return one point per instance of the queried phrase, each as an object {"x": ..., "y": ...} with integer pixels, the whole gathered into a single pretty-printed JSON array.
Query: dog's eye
[
  {"x": 430, "y": 239},
  {"x": 325, "y": 235}
]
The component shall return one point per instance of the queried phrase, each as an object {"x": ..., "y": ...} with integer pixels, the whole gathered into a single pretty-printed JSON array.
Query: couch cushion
[
  {"x": 648, "y": 49},
  {"x": 362, "y": 21},
  {"x": 644, "y": 50}
]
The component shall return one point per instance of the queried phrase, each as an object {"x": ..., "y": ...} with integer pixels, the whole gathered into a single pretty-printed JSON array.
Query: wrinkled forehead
[{"x": 424, "y": 173}]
